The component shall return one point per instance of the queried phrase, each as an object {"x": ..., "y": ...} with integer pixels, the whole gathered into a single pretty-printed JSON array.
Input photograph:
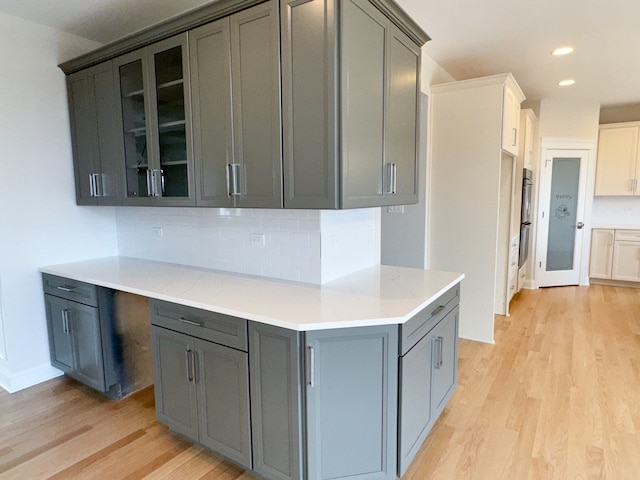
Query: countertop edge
[{"x": 373, "y": 320}]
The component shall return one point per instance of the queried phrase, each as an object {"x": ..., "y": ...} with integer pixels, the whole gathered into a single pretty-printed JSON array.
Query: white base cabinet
[{"x": 615, "y": 255}]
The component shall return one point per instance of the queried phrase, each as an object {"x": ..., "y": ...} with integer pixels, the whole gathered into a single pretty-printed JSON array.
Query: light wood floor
[{"x": 557, "y": 397}]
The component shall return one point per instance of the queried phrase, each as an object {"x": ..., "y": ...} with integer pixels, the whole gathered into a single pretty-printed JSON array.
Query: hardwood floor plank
[{"x": 556, "y": 397}]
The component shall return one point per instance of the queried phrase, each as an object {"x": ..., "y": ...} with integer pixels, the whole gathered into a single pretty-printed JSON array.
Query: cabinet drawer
[
  {"x": 215, "y": 327},
  {"x": 628, "y": 235},
  {"x": 416, "y": 328},
  {"x": 73, "y": 290}
]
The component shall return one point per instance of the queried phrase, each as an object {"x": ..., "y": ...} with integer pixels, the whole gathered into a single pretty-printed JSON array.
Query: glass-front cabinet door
[{"x": 154, "y": 98}]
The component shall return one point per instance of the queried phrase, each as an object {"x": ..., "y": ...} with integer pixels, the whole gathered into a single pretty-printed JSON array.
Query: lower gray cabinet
[
  {"x": 276, "y": 402},
  {"x": 351, "y": 397},
  {"x": 75, "y": 340},
  {"x": 202, "y": 392},
  {"x": 326, "y": 400},
  {"x": 428, "y": 373}
]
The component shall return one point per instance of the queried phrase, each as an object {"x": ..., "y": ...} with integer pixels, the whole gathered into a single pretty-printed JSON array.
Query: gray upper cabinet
[
  {"x": 155, "y": 122},
  {"x": 235, "y": 78},
  {"x": 402, "y": 121},
  {"x": 210, "y": 60},
  {"x": 283, "y": 103},
  {"x": 350, "y": 105},
  {"x": 255, "y": 75},
  {"x": 96, "y": 153}
]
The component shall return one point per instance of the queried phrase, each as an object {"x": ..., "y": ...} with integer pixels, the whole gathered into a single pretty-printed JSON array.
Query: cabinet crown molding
[
  {"x": 501, "y": 79},
  {"x": 209, "y": 13}
]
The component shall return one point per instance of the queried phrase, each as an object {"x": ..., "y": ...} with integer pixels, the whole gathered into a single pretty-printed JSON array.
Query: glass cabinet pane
[
  {"x": 172, "y": 136},
  {"x": 135, "y": 131}
]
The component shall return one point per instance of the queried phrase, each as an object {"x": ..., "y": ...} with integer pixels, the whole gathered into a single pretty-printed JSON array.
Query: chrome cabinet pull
[
  {"x": 515, "y": 137},
  {"x": 389, "y": 179},
  {"x": 394, "y": 177},
  {"x": 233, "y": 176},
  {"x": 149, "y": 186},
  {"x": 161, "y": 181},
  {"x": 194, "y": 363},
  {"x": 92, "y": 185},
  {"x": 188, "y": 365},
  {"x": 97, "y": 184},
  {"x": 437, "y": 311},
  {"x": 190, "y": 322},
  {"x": 312, "y": 367},
  {"x": 65, "y": 288},
  {"x": 438, "y": 352},
  {"x": 65, "y": 322}
]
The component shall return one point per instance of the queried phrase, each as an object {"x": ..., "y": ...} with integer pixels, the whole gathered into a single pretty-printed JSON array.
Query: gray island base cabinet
[{"x": 345, "y": 403}]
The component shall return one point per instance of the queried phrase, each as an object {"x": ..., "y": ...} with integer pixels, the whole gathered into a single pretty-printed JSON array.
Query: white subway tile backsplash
[{"x": 221, "y": 239}]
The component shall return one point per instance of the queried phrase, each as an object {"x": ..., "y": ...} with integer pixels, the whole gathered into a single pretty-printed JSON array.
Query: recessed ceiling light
[
  {"x": 562, "y": 51},
  {"x": 567, "y": 83}
]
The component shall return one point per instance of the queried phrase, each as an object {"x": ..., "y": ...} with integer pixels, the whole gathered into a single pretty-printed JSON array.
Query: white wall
[
  {"x": 405, "y": 233},
  {"x": 569, "y": 119},
  {"x": 350, "y": 241},
  {"x": 39, "y": 221}
]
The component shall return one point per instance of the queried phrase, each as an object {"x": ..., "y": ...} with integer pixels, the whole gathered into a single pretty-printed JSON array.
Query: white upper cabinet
[
  {"x": 513, "y": 97},
  {"x": 618, "y": 159}
]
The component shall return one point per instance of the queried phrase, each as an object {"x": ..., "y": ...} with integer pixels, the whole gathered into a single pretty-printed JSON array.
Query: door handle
[{"x": 580, "y": 225}]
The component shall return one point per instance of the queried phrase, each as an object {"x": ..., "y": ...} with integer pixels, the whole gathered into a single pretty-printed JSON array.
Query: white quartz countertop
[{"x": 379, "y": 295}]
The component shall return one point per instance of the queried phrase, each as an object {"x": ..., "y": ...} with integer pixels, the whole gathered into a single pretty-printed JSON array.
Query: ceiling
[{"x": 470, "y": 38}]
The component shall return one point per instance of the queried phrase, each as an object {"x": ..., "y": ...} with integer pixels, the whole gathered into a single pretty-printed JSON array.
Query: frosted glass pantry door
[{"x": 561, "y": 222}]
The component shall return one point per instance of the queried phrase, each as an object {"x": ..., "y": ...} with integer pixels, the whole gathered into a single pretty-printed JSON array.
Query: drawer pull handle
[
  {"x": 437, "y": 311},
  {"x": 65, "y": 288},
  {"x": 190, "y": 322}
]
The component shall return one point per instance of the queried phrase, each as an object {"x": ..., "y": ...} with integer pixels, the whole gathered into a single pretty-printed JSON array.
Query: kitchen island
[{"x": 291, "y": 380}]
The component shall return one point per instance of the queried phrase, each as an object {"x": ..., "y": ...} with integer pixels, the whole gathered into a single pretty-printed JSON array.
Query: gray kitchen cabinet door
[
  {"x": 94, "y": 135},
  {"x": 222, "y": 377},
  {"x": 255, "y": 74},
  {"x": 60, "y": 344},
  {"x": 414, "y": 410},
  {"x": 170, "y": 99},
  {"x": 402, "y": 122},
  {"x": 155, "y": 121},
  {"x": 309, "y": 98},
  {"x": 351, "y": 403},
  {"x": 175, "y": 390},
  {"x": 276, "y": 402},
  {"x": 210, "y": 63},
  {"x": 84, "y": 323},
  {"x": 364, "y": 32},
  {"x": 445, "y": 361},
  {"x": 133, "y": 118}
]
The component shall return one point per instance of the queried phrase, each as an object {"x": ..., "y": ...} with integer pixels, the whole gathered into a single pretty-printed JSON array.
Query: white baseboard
[
  {"x": 530, "y": 285},
  {"x": 19, "y": 381}
]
